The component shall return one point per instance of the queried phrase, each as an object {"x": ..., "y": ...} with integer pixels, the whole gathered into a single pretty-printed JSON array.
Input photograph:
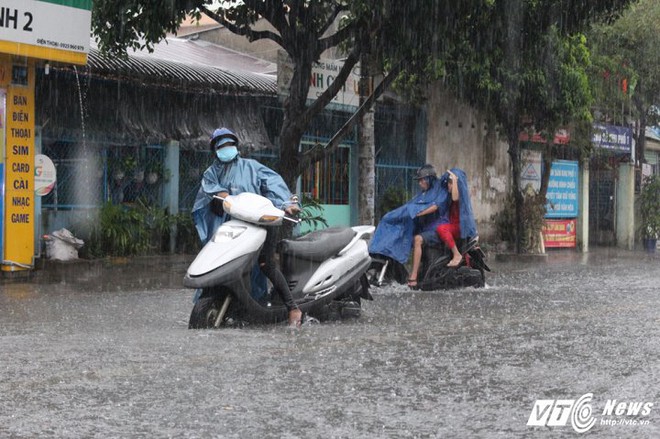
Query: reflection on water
[{"x": 79, "y": 362}]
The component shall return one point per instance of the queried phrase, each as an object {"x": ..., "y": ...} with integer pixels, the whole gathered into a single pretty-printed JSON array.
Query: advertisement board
[
  {"x": 45, "y": 175},
  {"x": 55, "y": 30},
  {"x": 560, "y": 233},
  {"x": 18, "y": 196},
  {"x": 562, "y": 193},
  {"x": 3, "y": 104}
]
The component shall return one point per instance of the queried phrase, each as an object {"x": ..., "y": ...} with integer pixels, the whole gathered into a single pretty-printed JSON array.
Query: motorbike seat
[{"x": 319, "y": 245}]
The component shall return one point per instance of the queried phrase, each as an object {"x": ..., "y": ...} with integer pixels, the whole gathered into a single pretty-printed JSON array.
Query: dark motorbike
[{"x": 434, "y": 273}]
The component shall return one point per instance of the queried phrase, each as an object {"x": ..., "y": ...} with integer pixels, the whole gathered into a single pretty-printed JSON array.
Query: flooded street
[{"x": 108, "y": 359}]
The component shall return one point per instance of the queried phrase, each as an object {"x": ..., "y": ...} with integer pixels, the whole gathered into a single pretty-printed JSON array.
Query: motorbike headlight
[
  {"x": 268, "y": 218},
  {"x": 227, "y": 233}
]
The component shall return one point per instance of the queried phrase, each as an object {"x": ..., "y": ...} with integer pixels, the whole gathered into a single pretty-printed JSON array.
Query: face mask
[{"x": 227, "y": 154}]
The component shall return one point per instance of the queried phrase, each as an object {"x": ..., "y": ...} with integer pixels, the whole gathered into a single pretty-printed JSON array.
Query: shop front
[{"x": 32, "y": 33}]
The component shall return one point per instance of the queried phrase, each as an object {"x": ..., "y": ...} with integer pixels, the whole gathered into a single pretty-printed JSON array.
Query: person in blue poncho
[{"x": 232, "y": 174}]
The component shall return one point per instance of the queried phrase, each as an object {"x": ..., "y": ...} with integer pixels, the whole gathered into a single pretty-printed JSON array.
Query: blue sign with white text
[
  {"x": 612, "y": 137},
  {"x": 562, "y": 193}
]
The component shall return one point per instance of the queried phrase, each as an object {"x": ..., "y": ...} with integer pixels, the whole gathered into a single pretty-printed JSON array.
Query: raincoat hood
[
  {"x": 468, "y": 223},
  {"x": 222, "y": 136}
]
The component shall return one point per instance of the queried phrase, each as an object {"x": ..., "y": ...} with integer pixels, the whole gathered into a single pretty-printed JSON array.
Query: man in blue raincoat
[
  {"x": 232, "y": 174},
  {"x": 394, "y": 236}
]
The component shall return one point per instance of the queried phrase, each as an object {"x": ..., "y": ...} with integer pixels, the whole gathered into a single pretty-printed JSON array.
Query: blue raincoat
[
  {"x": 235, "y": 177},
  {"x": 468, "y": 223},
  {"x": 394, "y": 234}
]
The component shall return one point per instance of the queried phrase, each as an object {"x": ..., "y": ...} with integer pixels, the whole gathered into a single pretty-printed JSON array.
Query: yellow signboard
[
  {"x": 26, "y": 50},
  {"x": 54, "y": 30},
  {"x": 18, "y": 218}
]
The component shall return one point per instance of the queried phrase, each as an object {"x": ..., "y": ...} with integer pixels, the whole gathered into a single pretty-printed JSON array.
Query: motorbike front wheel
[
  {"x": 209, "y": 312},
  {"x": 394, "y": 272}
]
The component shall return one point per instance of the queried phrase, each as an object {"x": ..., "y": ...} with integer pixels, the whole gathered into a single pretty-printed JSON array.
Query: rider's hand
[
  {"x": 452, "y": 176},
  {"x": 292, "y": 210},
  {"x": 216, "y": 206},
  {"x": 216, "y": 203}
]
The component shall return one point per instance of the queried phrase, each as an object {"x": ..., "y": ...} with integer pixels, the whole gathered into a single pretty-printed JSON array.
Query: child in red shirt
[{"x": 451, "y": 231}]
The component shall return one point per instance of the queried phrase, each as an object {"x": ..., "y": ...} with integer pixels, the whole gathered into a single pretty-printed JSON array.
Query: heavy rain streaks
[{"x": 112, "y": 357}]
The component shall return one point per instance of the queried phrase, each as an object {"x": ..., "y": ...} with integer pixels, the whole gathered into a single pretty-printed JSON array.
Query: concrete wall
[
  {"x": 583, "y": 208},
  {"x": 625, "y": 207},
  {"x": 458, "y": 136}
]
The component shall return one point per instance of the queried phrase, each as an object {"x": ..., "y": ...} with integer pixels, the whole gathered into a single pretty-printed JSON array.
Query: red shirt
[{"x": 454, "y": 213}]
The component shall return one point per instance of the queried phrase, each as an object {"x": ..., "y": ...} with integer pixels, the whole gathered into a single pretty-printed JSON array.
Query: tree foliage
[
  {"x": 138, "y": 24},
  {"x": 524, "y": 63},
  {"x": 303, "y": 29},
  {"x": 627, "y": 67},
  {"x": 515, "y": 59}
]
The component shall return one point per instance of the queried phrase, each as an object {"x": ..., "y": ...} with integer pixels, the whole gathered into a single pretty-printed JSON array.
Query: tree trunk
[
  {"x": 290, "y": 138},
  {"x": 514, "y": 154},
  {"x": 367, "y": 170},
  {"x": 548, "y": 157},
  {"x": 292, "y": 131},
  {"x": 641, "y": 135},
  {"x": 367, "y": 148}
]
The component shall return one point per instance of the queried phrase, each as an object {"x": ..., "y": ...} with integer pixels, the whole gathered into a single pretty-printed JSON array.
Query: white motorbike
[{"x": 325, "y": 269}]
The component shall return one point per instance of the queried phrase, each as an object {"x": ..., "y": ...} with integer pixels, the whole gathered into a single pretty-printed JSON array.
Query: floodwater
[{"x": 107, "y": 357}]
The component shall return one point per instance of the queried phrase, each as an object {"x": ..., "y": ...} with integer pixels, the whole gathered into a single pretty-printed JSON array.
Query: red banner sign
[{"x": 560, "y": 233}]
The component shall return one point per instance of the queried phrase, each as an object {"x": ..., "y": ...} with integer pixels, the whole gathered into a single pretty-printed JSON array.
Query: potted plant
[
  {"x": 156, "y": 171},
  {"x": 649, "y": 209},
  {"x": 123, "y": 166}
]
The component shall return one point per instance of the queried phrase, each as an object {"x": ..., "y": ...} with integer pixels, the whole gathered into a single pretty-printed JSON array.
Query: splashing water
[{"x": 89, "y": 160}]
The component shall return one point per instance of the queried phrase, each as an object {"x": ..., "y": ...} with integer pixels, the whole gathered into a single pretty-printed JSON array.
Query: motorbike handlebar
[
  {"x": 288, "y": 218},
  {"x": 293, "y": 220}
]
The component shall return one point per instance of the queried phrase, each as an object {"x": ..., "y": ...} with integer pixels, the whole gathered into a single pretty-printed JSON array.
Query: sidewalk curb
[{"x": 167, "y": 270}]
